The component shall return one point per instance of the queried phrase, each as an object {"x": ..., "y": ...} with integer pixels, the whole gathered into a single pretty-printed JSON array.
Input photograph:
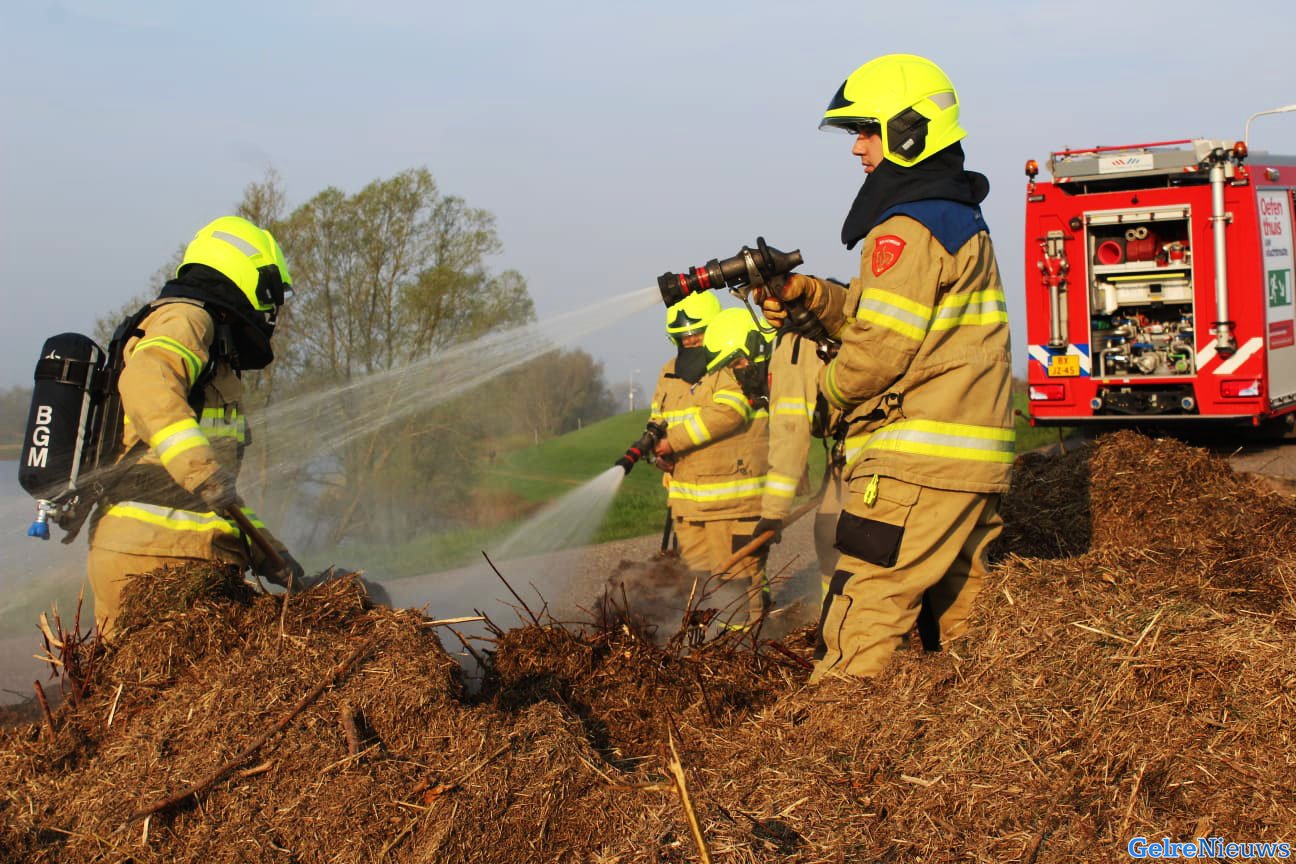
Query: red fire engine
[{"x": 1159, "y": 286}]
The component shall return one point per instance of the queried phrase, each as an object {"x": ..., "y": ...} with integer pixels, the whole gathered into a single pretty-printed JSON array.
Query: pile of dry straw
[{"x": 1131, "y": 671}]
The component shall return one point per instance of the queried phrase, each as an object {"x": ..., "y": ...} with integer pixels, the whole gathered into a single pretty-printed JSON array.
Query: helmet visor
[
  {"x": 844, "y": 115},
  {"x": 853, "y": 126},
  {"x": 678, "y": 336}
]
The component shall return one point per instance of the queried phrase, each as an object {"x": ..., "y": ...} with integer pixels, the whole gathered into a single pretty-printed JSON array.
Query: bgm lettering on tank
[{"x": 38, "y": 453}]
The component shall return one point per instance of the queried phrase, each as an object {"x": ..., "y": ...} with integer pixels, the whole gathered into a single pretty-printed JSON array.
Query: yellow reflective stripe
[
  {"x": 192, "y": 364},
  {"x": 216, "y": 426},
  {"x": 167, "y": 431},
  {"x": 853, "y": 448},
  {"x": 253, "y": 518},
  {"x": 170, "y": 441},
  {"x": 947, "y": 440},
  {"x": 895, "y": 312},
  {"x": 976, "y": 308},
  {"x": 697, "y": 430},
  {"x": 793, "y": 406},
  {"x": 895, "y": 303},
  {"x": 712, "y": 492},
  {"x": 972, "y": 320},
  {"x": 832, "y": 392},
  {"x": 734, "y": 400},
  {"x": 224, "y": 431},
  {"x": 691, "y": 420},
  {"x": 903, "y": 328},
  {"x": 189, "y": 442},
  {"x": 180, "y": 520},
  {"x": 172, "y": 519},
  {"x": 781, "y": 485}
]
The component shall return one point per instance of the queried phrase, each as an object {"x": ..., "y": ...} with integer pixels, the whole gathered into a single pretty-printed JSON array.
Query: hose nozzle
[
  {"x": 742, "y": 271},
  {"x": 653, "y": 434}
]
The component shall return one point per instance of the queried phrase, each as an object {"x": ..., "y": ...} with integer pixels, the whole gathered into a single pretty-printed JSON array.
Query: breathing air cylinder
[{"x": 59, "y": 434}]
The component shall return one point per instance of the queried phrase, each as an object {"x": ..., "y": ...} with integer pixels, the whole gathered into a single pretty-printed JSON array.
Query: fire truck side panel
[
  {"x": 1274, "y": 208},
  {"x": 1131, "y": 336}
]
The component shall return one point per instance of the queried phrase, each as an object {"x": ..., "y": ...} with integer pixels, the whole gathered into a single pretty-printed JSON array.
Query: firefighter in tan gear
[
  {"x": 922, "y": 375},
  {"x": 714, "y": 451},
  {"x": 184, "y": 431},
  {"x": 793, "y": 396}
]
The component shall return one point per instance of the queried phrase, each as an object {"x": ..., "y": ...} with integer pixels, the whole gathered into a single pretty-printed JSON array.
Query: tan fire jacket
[
  {"x": 719, "y": 444},
  {"x": 794, "y": 387},
  {"x": 924, "y": 372},
  {"x": 153, "y": 509}
]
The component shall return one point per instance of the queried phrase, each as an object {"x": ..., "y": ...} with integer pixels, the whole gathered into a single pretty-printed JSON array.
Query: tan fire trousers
[
  {"x": 899, "y": 541},
  {"x": 706, "y": 546},
  {"x": 109, "y": 572},
  {"x": 825, "y": 529}
]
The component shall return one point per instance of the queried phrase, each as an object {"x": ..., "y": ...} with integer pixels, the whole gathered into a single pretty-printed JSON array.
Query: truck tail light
[
  {"x": 1047, "y": 392},
  {"x": 1240, "y": 389}
]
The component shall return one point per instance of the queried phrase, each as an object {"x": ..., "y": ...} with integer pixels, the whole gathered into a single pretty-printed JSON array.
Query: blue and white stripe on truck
[{"x": 1041, "y": 354}]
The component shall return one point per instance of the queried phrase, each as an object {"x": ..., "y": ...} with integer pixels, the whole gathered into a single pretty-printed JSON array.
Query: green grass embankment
[
  {"x": 545, "y": 471},
  {"x": 532, "y": 475},
  {"x": 524, "y": 479}
]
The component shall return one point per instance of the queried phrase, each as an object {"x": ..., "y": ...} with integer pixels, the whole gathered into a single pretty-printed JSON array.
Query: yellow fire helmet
[
  {"x": 733, "y": 334},
  {"x": 248, "y": 256},
  {"x": 691, "y": 315},
  {"x": 906, "y": 99}
]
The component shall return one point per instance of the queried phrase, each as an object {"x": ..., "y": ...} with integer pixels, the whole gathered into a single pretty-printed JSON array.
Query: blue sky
[{"x": 612, "y": 141}]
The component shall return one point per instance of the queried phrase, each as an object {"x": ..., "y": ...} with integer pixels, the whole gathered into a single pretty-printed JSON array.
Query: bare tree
[
  {"x": 385, "y": 277},
  {"x": 558, "y": 391}
]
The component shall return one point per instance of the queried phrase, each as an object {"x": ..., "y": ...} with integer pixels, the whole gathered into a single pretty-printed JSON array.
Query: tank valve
[{"x": 40, "y": 526}]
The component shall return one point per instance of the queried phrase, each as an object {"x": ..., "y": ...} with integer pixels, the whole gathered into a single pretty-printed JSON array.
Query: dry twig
[
  {"x": 45, "y": 709},
  {"x": 530, "y": 614},
  {"x": 676, "y": 768}
]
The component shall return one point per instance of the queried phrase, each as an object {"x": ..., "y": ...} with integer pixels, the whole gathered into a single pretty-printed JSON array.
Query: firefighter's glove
[
  {"x": 293, "y": 567},
  {"x": 775, "y": 525},
  {"x": 217, "y": 491},
  {"x": 796, "y": 286},
  {"x": 266, "y": 570}
]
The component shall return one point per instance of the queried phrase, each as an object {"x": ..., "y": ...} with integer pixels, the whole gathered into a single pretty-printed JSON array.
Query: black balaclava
[
  {"x": 691, "y": 363},
  {"x": 940, "y": 175},
  {"x": 249, "y": 328}
]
